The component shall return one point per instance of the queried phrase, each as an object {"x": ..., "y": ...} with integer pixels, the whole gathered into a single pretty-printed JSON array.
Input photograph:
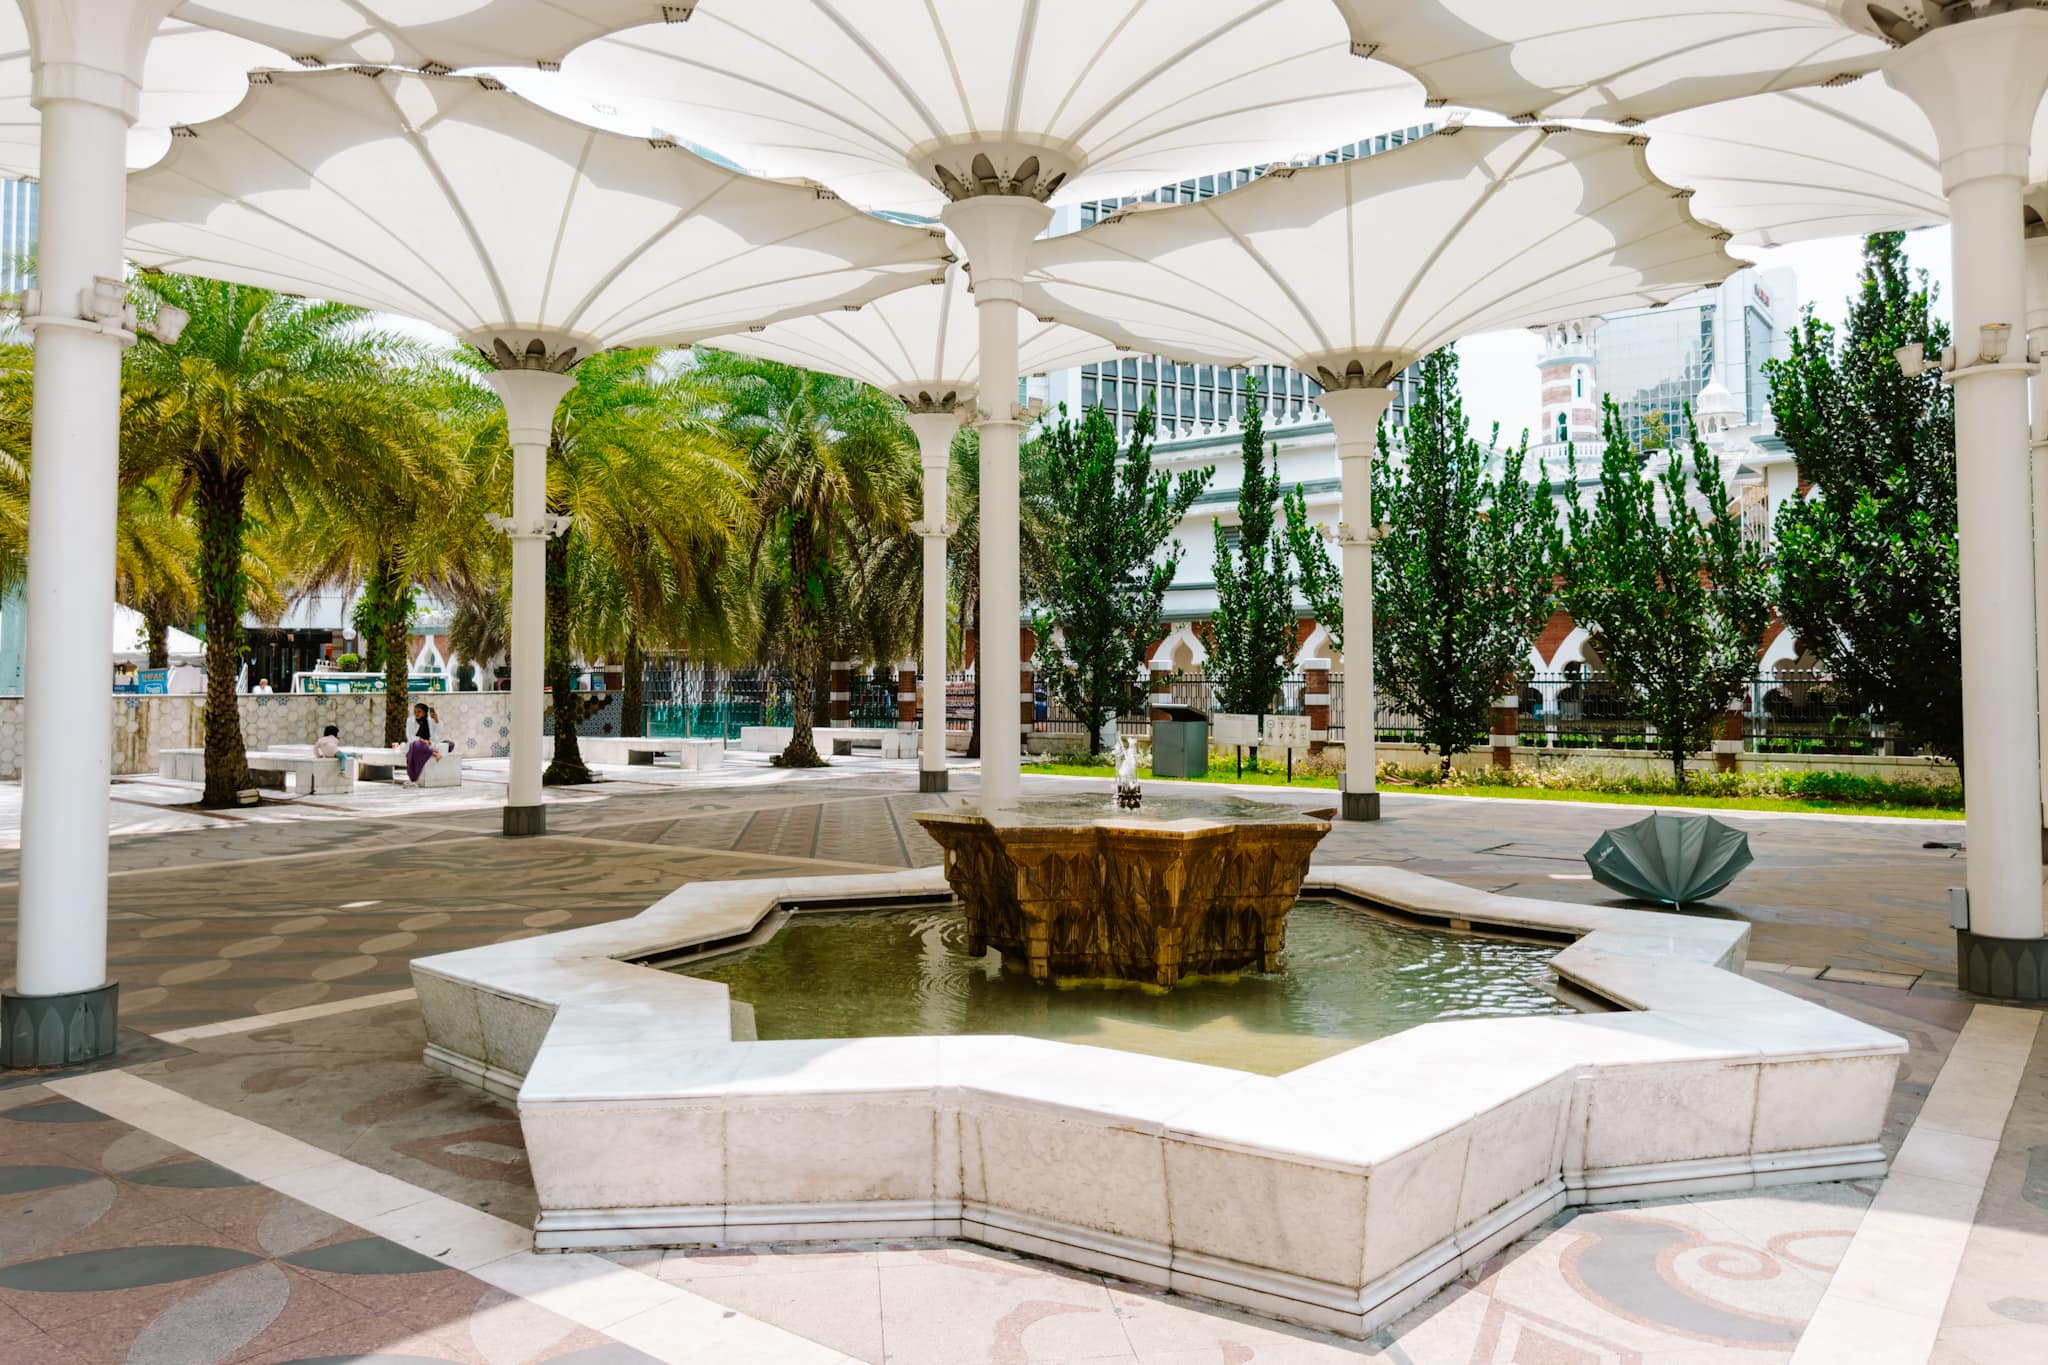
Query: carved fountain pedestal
[{"x": 1068, "y": 889}]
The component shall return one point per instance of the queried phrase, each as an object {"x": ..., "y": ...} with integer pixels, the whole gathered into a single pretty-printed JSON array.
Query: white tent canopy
[
  {"x": 915, "y": 342},
  {"x": 131, "y": 641},
  {"x": 1375, "y": 262},
  {"x": 191, "y": 74},
  {"x": 436, "y": 35},
  {"x": 454, "y": 201},
  {"x": 1619, "y": 60},
  {"x": 1805, "y": 164},
  {"x": 870, "y": 96}
]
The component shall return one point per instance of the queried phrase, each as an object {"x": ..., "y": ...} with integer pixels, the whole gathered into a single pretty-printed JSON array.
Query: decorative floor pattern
[
  {"x": 116, "y": 1246},
  {"x": 119, "y": 1246}
]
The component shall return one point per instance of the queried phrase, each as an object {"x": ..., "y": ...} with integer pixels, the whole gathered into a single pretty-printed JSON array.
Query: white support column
[
  {"x": 530, "y": 397},
  {"x": 935, "y": 430},
  {"x": 996, "y": 230},
  {"x": 2037, "y": 341},
  {"x": 1979, "y": 82},
  {"x": 87, "y": 77},
  {"x": 1355, "y": 416}
]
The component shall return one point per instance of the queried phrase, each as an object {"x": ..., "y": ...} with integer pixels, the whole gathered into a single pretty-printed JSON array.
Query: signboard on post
[
  {"x": 1231, "y": 730},
  {"x": 1286, "y": 732}
]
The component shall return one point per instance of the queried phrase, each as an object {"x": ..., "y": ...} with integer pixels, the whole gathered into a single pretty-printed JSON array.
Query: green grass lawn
[{"x": 1275, "y": 777}]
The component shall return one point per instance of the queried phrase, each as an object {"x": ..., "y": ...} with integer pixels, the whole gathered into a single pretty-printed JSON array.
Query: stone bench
[
  {"x": 836, "y": 739},
  {"x": 376, "y": 763},
  {"x": 302, "y": 773},
  {"x": 639, "y": 751}
]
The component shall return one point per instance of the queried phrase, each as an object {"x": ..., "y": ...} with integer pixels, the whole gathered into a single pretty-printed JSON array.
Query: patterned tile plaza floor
[{"x": 395, "y": 1233}]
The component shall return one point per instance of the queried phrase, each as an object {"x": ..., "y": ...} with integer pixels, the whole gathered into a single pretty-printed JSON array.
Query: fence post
[
  {"x": 1506, "y": 728},
  {"x": 1728, "y": 741},
  {"x": 1027, "y": 676},
  {"x": 1160, "y": 693},
  {"x": 906, "y": 696},
  {"x": 1315, "y": 699},
  {"x": 842, "y": 692}
]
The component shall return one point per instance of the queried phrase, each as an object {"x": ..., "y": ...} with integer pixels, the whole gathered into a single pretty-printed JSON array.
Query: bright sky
[{"x": 1497, "y": 373}]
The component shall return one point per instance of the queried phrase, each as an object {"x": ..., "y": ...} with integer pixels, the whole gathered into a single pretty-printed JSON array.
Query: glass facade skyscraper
[{"x": 1656, "y": 360}]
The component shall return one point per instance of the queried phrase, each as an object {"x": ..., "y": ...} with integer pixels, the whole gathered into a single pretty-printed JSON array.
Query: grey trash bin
[{"x": 1180, "y": 744}]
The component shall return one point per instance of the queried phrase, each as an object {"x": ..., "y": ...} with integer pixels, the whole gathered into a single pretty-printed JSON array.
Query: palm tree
[
  {"x": 263, "y": 398},
  {"x": 655, "y": 504},
  {"x": 155, "y": 546},
  {"x": 417, "y": 527},
  {"x": 833, "y": 463}
]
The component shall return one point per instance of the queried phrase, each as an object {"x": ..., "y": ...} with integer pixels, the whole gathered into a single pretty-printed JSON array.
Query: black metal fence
[{"x": 1803, "y": 712}]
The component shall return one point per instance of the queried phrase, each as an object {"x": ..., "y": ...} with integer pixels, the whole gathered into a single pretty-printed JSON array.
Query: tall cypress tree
[
  {"x": 1677, "y": 601},
  {"x": 1460, "y": 585},
  {"x": 1251, "y": 649},
  {"x": 1103, "y": 521},
  {"x": 1867, "y": 567}
]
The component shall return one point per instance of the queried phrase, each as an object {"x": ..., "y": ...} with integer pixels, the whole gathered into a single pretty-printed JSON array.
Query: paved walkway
[{"x": 271, "y": 1176}]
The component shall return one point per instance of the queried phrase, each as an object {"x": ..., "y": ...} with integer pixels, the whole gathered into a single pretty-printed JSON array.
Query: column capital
[
  {"x": 530, "y": 398},
  {"x": 1355, "y": 414},
  {"x": 996, "y": 230},
  {"x": 934, "y": 429},
  {"x": 91, "y": 54},
  {"x": 1979, "y": 81}
]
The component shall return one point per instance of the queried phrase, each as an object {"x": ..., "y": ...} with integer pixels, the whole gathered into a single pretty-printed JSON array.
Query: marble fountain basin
[{"x": 1337, "y": 1195}]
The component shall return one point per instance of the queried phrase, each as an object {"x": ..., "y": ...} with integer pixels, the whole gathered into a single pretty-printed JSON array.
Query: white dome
[{"x": 1715, "y": 401}]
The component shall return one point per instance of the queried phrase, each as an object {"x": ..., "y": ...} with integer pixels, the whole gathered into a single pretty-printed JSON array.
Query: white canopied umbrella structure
[
  {"x": 1352, "y": 272},
  {"x": 923, "y": 347},
  {"x": 991, "y": 107},
  {"x": 1977, "y": 73},
  {"x": 90, "y": 84},
  {"x": 533, "y": 238},
  {"x": 190, "y": 73},
  {"x": 433, "y": 37}
]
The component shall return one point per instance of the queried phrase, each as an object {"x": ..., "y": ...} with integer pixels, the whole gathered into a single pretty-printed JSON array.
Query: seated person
[{"x": 329, "y": 743}]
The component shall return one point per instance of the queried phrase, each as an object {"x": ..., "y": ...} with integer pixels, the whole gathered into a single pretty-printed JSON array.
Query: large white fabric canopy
[
  {"x": 454, "y": 201},
  {"x": 1366, "y": 265},
  {"x": 1618, "y": 60},
  {"x": 191, "y": 73},
  {"x": 870, "y": 96},
  {"x": 1803, "y": 164},
  {"x": 913, "y": 343},
  {"x": 426, "y": 34}
]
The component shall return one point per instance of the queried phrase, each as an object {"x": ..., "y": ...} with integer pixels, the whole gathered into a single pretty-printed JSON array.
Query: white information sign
[
  {"x": 1286, "y": 732},
  {"x": 1229, "y": 730}
]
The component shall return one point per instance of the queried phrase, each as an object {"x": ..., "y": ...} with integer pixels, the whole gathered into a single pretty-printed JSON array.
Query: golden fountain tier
[{"x": 1069, "y": 888}]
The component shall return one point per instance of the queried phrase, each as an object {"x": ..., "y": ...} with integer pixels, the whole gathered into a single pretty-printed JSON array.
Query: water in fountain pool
[{"x": 1347, "y": 976}]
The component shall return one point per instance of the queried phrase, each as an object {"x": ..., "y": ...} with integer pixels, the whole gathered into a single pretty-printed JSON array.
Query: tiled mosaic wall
[{"x": 479, "y": 723}]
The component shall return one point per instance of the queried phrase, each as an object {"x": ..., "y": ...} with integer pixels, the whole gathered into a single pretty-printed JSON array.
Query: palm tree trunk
[
  {"x": 567, "y": 767},
  {"x": 397, "y": 680},
  {"x": 804, "y": 661},
  {"x": 218, "y": 505},
  {"x": 633, "y": 698},
  {"x": 390, "y": 587},
  {"x": 156, "y": 633}
]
